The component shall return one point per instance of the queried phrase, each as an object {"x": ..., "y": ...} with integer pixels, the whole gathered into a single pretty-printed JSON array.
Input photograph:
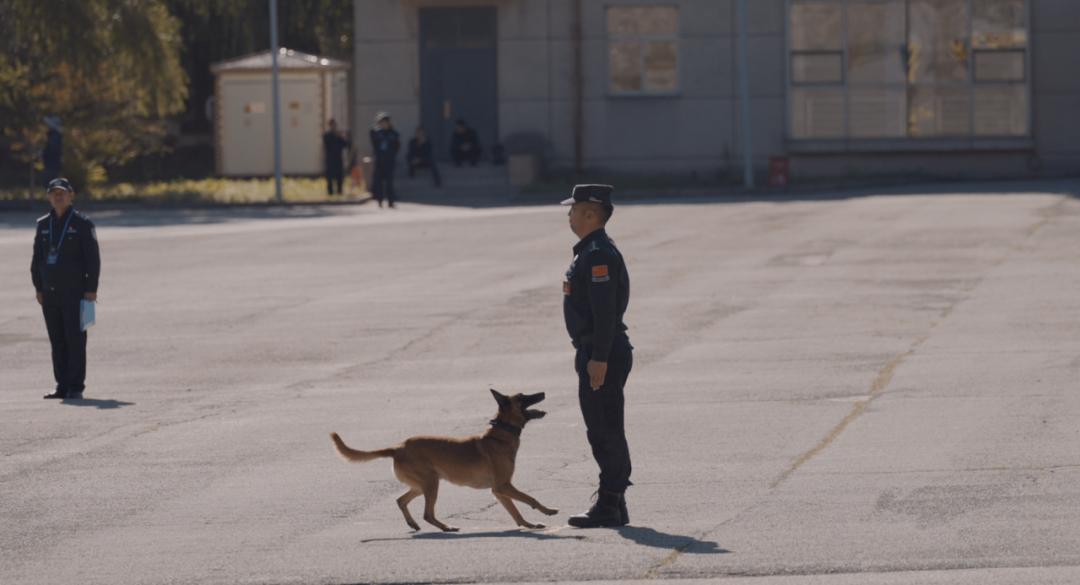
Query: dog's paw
[
  {"x": 451, "y": 529},
  {"x": 549, "y": 511}
]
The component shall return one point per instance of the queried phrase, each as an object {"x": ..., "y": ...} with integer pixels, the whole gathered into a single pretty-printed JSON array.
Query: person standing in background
[
  {"x": 419, "y": 156},
  {"x": 385, "y": 144},
  {"x": 334, "y": 145},
  {"x": 53, "y": 153}
]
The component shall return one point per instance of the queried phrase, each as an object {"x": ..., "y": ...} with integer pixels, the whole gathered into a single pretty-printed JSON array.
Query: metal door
[{"x": 458, "y": 74}]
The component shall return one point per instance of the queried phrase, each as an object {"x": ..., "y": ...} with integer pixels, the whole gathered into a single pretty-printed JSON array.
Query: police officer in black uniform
[
  {"x": 595, "y": 295},
  {"x": 385, "y": 144},
  {"x": 65, "y": 270}
]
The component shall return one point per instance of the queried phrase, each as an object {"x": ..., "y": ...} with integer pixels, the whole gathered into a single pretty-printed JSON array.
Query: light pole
[
  {"x": 276, "y": 99},
  {"x": 744, "y": 96}
]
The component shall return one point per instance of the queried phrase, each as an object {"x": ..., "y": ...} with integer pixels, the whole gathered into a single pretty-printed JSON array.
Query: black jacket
[
  {"x": 78, "y": 262},
  {"x": 333, "y": 145},
  {"x": 54, "y": 147},
  {"x": 595, "y": 295},
  {"x": 419, "y": 151},
  {"x": 385, "y": 145},
  {"x": 458, "y": 140}
]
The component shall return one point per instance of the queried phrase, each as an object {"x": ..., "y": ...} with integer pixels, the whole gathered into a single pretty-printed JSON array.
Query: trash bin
[{"x": 779, "y": 169}]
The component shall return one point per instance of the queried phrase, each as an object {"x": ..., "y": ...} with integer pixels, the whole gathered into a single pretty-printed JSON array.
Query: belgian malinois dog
[{"x": 484, "y": 461}]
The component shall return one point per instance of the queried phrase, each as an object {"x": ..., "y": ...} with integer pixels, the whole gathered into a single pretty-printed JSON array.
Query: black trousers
[
  {"x": 334, "y": 176},
  {"x": 67, "y": 338},
  {"x": 604, "y": 419},
  {"x": 382, "y": 182},
  {"x": 472, "y": 156},
  {"x": 426, "y": 163}
]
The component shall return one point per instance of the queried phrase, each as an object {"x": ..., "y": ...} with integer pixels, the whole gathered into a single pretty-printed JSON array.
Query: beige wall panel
[
  {"x": 767, "y": 125},
  {"x": 383, "y": 20},
  {"x": 1055, "y": 56},
  {"x": 525, "y": 19},
  {"x": 766, "y": 17},
  {"x": 766, "y": 70},
  {"x": 1057, "y": 123},
  {"x": 523, "y": 70},
  {"x": 706, "y": 67},
  {"x": 1055, "y": 15}
]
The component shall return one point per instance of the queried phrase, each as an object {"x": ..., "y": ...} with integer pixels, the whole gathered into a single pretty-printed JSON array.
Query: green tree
[{"x": 110, "y": 69}]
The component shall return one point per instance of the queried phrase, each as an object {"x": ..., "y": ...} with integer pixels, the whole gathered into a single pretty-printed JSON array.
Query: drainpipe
[
  {"x": 744, "y": 96},
  {"x": 579, "y": 92}
]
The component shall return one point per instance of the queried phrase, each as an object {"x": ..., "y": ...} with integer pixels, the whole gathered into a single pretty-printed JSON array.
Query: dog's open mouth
[{"x": 529, "y": 400}]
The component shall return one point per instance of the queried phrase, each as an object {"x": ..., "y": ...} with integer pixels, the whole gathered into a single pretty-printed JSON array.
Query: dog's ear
[{"x": 503, "y": 401}]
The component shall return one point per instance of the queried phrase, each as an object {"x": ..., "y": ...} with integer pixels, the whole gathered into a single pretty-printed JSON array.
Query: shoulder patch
[{"x": 600, "y": 273}]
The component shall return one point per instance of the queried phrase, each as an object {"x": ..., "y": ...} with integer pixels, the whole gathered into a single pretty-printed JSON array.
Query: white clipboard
[{"x": 86, "y": 314}]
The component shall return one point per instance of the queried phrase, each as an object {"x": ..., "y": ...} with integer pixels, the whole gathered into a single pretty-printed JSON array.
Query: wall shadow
[
  {"x": 135, "y": 214},
  {"x": 627, "y": 194},
  {"x": 23, "y": 214}
]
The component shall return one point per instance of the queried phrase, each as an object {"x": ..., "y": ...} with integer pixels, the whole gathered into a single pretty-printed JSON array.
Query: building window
[
  {"x": 643, "y": 49},
  {"x": 908, "y": 69}
]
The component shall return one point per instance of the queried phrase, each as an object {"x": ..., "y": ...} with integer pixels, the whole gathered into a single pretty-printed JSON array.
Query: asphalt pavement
[{"x": 875, "y": 389}]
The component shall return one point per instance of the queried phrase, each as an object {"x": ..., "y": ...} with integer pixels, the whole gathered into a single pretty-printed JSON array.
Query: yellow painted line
[{"x": 877, "y": 387}]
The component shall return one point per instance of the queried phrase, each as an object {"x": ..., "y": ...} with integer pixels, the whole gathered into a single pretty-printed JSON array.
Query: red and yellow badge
[{"x": 600, "y": 273}]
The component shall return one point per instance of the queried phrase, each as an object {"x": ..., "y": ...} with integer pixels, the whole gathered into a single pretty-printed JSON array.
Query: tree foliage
[
  {"x": 216, "y": 30},
  {"x": 117, "y": 71},
  {"x": 110, "y": 69}
]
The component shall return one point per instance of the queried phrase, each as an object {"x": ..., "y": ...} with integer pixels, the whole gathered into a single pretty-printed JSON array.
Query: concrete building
[{"x": 957, "y": 88}]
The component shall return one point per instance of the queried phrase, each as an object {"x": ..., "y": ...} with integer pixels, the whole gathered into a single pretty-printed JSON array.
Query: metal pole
[
  {"x": 744, "y": 97},
  {"x": 276, "y": 99},
  {"x": 579, "y": 92}
]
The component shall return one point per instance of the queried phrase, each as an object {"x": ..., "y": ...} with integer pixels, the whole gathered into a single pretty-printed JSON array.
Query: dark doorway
[{"x": 457, "y": 74}]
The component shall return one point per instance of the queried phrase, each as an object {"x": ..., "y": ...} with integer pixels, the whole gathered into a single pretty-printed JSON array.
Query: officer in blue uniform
[
  {"x": 595, "y": 295},
  {"x": 65, "y": 270}
]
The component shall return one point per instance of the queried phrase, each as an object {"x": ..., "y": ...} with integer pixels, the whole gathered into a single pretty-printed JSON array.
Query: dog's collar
[{"x": 498, "y": 424}]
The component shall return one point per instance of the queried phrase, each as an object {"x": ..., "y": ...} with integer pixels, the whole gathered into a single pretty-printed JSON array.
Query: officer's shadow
[
  {"x": 677, "y": 542},
  {"x": 99, "y": 404}
]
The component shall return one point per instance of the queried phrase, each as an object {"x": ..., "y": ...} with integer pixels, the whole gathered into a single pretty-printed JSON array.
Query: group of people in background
[{"x": 465, "y": 148}]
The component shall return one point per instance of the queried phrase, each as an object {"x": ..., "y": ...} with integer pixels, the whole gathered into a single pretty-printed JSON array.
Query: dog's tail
[{"x": 358, "y": 456}]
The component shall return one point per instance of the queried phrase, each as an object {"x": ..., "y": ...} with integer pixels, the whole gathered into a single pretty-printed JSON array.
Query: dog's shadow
[
  {"x": 639, "y": 534},
  {"x": 512, "y": 533},
  {"x": 96, "y": 403},
  {"x": 646, "y": 536}
]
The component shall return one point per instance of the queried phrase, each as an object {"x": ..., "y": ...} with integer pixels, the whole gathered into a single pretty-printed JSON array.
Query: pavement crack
[
  {"x": 877, "y": 387},
  {"x": 885, "y": 375}
]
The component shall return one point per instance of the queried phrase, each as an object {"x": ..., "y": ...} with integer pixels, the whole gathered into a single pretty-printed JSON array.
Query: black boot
[
  {"x": 624, "y": 514},
  {"x": 605, "y": 512}
]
